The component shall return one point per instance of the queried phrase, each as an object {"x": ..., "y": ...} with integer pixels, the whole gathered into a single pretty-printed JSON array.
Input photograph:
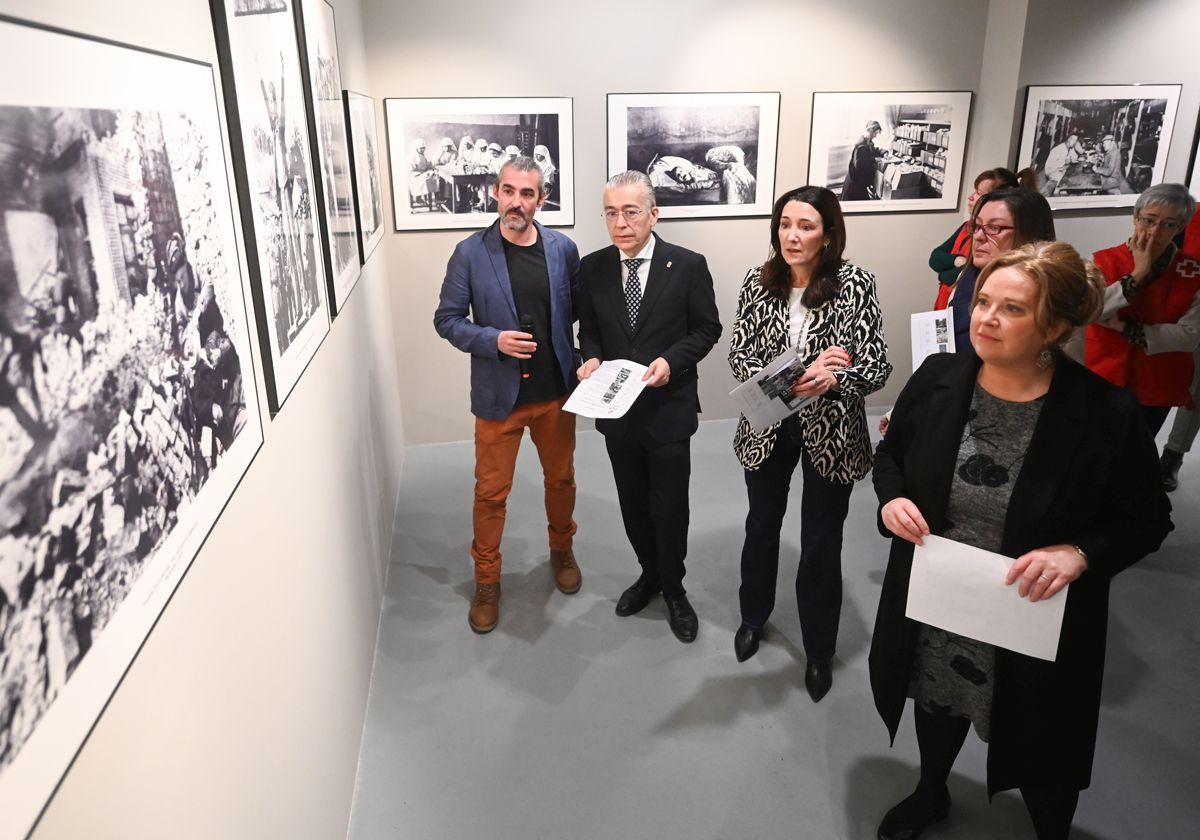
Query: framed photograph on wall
[
  {"x": 364, "y": 171},
  {"x": 889, "y": 151},
  {"x": 444, "y": 155},
  {"x": 269, "y": 139},
  {"x": 327, "y": 115},
  {"x": 128, "y": 406},
  {"x": 1194, "y": 178},
  {"x": 1097, "y": 145},
  {"x": 708, "y": 155}
]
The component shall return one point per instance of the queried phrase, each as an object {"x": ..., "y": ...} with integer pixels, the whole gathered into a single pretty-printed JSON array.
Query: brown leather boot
[
  {"x": 566, "y": 572},
  {"x": 485, "y": 608}
]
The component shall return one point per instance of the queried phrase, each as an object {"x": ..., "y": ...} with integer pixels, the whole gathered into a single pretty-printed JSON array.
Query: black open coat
[{"x": 1091, "y": 479}]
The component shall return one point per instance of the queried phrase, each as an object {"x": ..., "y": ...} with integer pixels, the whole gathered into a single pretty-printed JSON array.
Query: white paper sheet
[
  {"x": 932, "y": 332},
  {"x": 766, "y": 398},
  {"x": 609, "y": 392},
  {"x": 961, "y": 588}
]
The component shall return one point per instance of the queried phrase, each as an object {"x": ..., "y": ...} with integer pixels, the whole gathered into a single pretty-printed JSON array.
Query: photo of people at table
[
  {"x": 452, "y": 161},
  {"x": 1097, "y": 146}
]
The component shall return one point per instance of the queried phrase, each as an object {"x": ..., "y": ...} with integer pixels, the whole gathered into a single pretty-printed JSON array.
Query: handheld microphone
[{"x": 526, "y": 327}]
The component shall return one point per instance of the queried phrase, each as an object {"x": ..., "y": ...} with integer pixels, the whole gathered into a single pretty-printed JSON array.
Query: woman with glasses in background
[
  {"x": 1004, "y": 219},
  {"x": 948, "y": 259},
  {"x": 1150, "y": 324}
]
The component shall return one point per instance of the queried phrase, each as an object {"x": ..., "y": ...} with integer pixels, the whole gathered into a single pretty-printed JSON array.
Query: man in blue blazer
[{"x": 508, "y": 299}]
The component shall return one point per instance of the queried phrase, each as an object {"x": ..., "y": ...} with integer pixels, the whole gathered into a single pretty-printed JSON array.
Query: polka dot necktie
[{"x": 633, "y": 290}]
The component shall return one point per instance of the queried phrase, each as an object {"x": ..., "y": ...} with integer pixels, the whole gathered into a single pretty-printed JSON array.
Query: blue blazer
[{"x": 476, "y": 305}]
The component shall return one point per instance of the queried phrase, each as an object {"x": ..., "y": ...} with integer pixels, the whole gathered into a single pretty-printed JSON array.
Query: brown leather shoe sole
[{"x": 479, "y": 628}]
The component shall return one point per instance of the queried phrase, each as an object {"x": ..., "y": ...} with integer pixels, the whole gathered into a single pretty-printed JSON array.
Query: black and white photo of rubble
[{"x": 121, "y": 386}]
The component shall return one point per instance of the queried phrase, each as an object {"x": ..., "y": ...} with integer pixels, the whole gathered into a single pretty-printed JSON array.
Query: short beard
[{"x": 520, "y": 225}]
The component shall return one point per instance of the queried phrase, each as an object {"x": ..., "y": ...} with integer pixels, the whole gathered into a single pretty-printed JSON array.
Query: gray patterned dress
[{"x": 952, "y": 674}]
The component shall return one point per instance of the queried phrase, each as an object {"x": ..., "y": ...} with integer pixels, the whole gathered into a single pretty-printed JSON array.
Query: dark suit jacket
[
  {"x": 677, "y": 320},
  {"x": 476, "y": 305},
  {"x": 1091, "y": 479}
]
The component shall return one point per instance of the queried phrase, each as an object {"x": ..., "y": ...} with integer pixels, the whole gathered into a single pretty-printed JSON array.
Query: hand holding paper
[
  {"x": 606, "y": 392},
  {"x": 1046, "y": 571}
]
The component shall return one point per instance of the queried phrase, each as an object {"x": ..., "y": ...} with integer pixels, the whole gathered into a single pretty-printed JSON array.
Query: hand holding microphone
[{"x": 518, "y": 343}]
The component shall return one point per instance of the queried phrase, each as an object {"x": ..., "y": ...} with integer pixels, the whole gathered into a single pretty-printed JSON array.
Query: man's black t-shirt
[{"x": 530, "y": 281}]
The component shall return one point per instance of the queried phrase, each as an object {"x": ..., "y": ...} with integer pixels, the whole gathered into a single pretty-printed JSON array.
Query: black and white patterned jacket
[{"x": 835, "y": 425}]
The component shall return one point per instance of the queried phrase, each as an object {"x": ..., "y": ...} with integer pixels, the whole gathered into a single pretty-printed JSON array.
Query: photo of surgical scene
[
  {"x": 696, "y": 155},
  {"x": 453, "y": 161},
  {"x": 121, "y": 385},
  {"x": 889, "y": 152},
  {"x": 1097, "y": 146}
]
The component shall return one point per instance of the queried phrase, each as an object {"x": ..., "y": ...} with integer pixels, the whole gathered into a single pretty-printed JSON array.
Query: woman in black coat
[{"x": 1023, "y": 452}]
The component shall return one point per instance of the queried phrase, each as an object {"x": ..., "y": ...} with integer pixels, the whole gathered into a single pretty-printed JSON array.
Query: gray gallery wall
[
  {"x": 1071, "y": 42},
  {"x": 704, "y": 45},
  {"x": 993, "y": 48},
  {"x": 242, "y": 715}
]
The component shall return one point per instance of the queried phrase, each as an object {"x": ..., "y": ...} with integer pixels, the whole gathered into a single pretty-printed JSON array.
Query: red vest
[
  {"x": 1163, "y": 379},
  {"x": 962, "y": 248},
  {"x": 1191, "y": 237}
]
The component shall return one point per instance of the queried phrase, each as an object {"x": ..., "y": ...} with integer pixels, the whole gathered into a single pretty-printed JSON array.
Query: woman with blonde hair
[{"x": 1017, "y": 450}]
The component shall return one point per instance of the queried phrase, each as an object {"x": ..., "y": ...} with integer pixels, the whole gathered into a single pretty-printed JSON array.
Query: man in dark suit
[
  {"x": 650, "y": 302},
  {"x": 508, "y": 300}
]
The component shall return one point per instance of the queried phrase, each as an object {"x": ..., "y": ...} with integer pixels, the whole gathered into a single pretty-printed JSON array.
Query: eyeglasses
[
  {"x": 1154, "y": 223},
  {"x": 990, "y": 231},
  {"x": 631, "y": 216}
]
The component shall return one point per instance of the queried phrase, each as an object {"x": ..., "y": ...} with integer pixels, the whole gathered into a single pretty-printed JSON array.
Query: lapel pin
[{"x": 668, "y": 263}]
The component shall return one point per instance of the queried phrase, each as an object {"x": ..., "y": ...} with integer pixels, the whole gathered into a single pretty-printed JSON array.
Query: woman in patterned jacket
[{"x": 806, "y": 295}]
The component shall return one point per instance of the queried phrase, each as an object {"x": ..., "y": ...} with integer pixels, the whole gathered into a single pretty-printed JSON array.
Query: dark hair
[
  {"x": 823, "y": 286},
  {"x": 1004, "y": 177},
  {"x": 1033, "y": 220}
]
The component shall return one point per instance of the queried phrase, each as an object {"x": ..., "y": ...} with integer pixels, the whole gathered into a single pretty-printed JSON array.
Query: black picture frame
[
  {"x": 284, "y": 363},
  {"x": 721, "y": 199},
  {"x": 401, "y": 113},
  {"x": 1047, "y": 123},
  {"x": 364, "y": 172},
  {"x": 66, "y": 724},
  {"x": 316, "y": 33},
  {"x": 926, "y": 147}
]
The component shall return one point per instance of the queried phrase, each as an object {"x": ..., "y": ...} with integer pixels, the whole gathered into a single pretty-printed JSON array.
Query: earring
[{"x": 1045, "y": 358}]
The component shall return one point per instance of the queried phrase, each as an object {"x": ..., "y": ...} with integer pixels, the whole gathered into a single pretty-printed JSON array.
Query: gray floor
[{"x": 569, "y": 723}]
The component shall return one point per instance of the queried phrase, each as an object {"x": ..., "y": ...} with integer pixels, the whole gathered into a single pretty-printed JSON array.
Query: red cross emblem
[{"x": 1187, "y": 268}]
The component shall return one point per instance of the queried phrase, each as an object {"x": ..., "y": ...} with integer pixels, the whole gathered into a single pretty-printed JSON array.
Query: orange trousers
[{"x": 496, "y": 445}]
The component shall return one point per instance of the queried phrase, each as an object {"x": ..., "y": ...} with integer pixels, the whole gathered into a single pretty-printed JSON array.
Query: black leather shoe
[
  {"x": 1170, "y": 462},
  {"x": 635, "y": 598},
  {"x": 907, "y": 820},
  {"x": 745, "y": 641},
  {"x": 682, "y": 618},
  {"x": 818, "y": 679}
]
